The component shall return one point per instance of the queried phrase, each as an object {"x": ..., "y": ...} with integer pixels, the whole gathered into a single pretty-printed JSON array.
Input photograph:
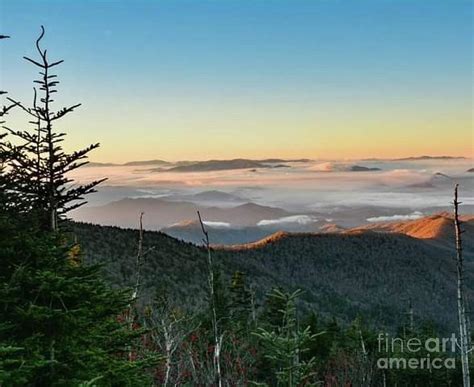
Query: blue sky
[{"x": 271, "y": 78}]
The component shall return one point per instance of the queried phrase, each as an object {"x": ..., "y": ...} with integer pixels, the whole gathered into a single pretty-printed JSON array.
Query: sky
[{"x": 325, "y": 79}]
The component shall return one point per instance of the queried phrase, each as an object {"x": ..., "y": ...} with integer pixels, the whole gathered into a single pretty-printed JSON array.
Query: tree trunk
[
  {"x": 217, "y": 338},
  {"x": 461, "y": 301}
]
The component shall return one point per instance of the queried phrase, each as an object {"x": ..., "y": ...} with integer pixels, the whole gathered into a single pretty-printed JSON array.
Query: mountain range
[
  {"x": 365, "y": 271},
  {"x": 358, "y": 168},
  {"x": 262, "y": 161},
  {"x": 217, "y": 165},
  {"x": 424, "y": 157},
  {"x": 207, "y": 165},
  {"x": 437, "y": 228},
  {"x": 234, "y": 218},
  {"x": 161, "y": 212}
]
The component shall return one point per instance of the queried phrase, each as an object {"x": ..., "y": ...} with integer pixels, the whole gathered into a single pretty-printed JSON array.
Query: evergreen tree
[
  {"x": 285, "y": 345},
  {"x": 273, "y": 306},
  {"x": 40, "y": 165},
  {"x": 221, "y": 298},
  {"x": 60, "y": 324},
  {"x": 240, "y": 302}
]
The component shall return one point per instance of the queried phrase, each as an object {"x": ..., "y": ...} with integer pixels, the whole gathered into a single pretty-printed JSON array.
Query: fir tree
[
  {"x": 273, "y": 306},
  {"x": 284, "y": 345},
  {"x": 60, "y": 323},
  {"x": 40, "y": 165},
  {"x": 240, "y": 302}
]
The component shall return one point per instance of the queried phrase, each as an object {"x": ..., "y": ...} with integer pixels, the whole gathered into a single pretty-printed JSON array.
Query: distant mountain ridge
[
  {"x": 219, "y": 165},
  {"x": 162, "y": 213},
  {"x": 208, "y": 197},
  {"x": 223, "y": 233},
  {"x": 425, "y": 157},
  {"x": 430, "y": 227},
  {"x": 358, "y": 168},
  {"x": 129, "y": 164},
  {"x": 205, "y": 165},
  {"x": 438, "y": 228},
  {"x": 343, "y": 275}
]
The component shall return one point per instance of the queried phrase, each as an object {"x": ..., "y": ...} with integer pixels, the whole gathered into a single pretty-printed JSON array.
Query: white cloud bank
[
  {"x": 217, "y": 224},
  {"x": 295, "y": 219},
  {"x": 413, "y": 216}
]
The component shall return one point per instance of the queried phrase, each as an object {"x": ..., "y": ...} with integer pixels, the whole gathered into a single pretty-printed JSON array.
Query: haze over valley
[{"x": 245, "y": 200}]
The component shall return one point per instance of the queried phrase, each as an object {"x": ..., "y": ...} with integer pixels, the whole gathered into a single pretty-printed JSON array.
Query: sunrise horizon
[
  {"x": 253, "y": 80},
  {"x": 421, "y": 156}
]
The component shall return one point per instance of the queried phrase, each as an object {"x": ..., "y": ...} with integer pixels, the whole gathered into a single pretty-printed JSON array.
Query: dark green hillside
[
  {"x": 177, "y": 266},
  {"x": 343, "y": 275},
  {"x": 368, "y": 273}
]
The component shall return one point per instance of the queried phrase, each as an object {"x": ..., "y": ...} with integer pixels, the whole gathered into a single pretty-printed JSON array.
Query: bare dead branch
[
  {"x": 464, "y": 333},
  {"x": 217, "y": 337}
]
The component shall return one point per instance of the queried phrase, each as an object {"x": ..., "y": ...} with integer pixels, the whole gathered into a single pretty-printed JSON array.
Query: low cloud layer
[
  {"x": 413, "y": 216},
  {"x": 399, "y": 188},
  {"x": 216, "y": 224},
  {"x": 295, "y": 219}
]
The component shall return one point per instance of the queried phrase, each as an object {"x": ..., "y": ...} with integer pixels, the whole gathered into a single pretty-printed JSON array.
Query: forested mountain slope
[
  {"x": 343, "y": 275},
  {"x": 437, "y": 229}
]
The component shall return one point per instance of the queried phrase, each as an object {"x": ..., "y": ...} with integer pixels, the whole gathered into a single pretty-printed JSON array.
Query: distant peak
[
  {"x": 330, "y": 228},
  {"x": 436, "y": 226},
  {"x": 183, "y": 224},
  {"x": 426, "y": 157},
  {"x": 275, "y": 237}
]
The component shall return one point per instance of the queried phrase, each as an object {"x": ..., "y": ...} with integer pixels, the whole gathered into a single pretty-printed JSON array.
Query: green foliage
[
  {"x": 221, "y": 298},
  {"x": 240, "y": 302},
  {"x": 284, "y": 345},
  {"x": 60, "y": 322},
  {"x": 39, "y": 167},
  {"x": 421, "y": 375},
  {"x": 181, "y": 269},
  {"x": 342, "y": 276}
]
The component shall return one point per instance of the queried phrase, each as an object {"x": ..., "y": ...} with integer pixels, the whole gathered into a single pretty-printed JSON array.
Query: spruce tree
[
  {"x": 41, "y": 165},
  {"x": 240, "y": 302},
  {"x": 60, "y": 323},
  {"x": 285, "y": 345}
]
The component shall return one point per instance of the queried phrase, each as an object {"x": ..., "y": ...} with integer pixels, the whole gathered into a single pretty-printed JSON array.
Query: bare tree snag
[
  {"x": 461, "y": 300},
  {"x": 136, "y": 288},
  {"x": 217, "y": 337},
  {"x": 139, "y": 260}
]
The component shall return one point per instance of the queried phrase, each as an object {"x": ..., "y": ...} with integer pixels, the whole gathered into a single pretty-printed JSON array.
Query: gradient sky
[{"x": 220, "y": 79}]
